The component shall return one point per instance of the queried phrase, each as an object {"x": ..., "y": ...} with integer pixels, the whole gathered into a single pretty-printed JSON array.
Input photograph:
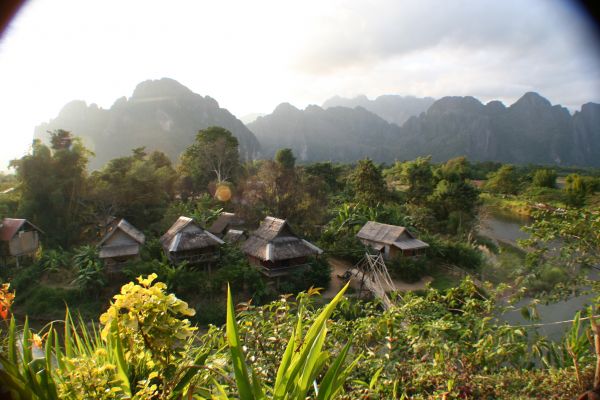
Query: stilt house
[
  {"x": 18, "y": 237},
  {"x": 276, "y": 250},
  {"x": 390, "y": 240},
  {"x": 187, "y": 241},
  {"x": 121, "y": 243}
]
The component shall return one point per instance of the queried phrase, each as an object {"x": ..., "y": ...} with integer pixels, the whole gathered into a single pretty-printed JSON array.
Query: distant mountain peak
[
  {"x": 392, "y": 108},
  {"x": 285, "y": 108},
  {"x": 451, "y": 104},
  {"x": 164, "y": 87},
  {"x": 532, "y": 99}
]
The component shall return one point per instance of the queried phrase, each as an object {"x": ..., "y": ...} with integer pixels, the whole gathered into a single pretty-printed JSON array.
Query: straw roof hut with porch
[
  {"x": 121, "y": 243},
  {"x": 391, "y": 240},
  {"x": 275, "y": 250},
  {"x": 187, "y": 241},
  {"x": 18, "y": 237}
]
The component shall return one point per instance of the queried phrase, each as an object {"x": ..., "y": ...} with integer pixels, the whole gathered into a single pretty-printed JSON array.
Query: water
[{"x": 505, "y": 227}]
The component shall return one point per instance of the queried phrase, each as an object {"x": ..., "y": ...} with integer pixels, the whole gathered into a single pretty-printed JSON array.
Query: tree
[
  {"x": 214, "y": 156},
  {"x": 138, "y": 187},
  {"x": 367, "y": 182},
  {"x": 455, "y": 201},
  {"x": 52, "y": 183},
  {"x": 544, "y": 178},
  {"x": 576, "y": 190},
  {"x": 505, "y": 180},
  {"x": 418, "y": 175},
  {"x": 285, "y": 158}
]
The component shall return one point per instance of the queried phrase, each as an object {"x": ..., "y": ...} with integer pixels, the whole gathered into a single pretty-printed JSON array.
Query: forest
[{"x": 151, "y": 328}]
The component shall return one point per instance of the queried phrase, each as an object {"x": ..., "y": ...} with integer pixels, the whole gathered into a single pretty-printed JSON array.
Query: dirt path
[{"x": 339, "y": 267}]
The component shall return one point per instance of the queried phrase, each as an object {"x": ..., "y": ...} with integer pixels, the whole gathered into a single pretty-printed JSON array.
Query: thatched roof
[
  {"x": 384, "y": 234},
  {"x": 274, "y": 240},
  {"x": 10, "y": 226},
  {"x": 224, "y": 221},
  {"x": 185, "y": 234},
  {"x": 234, "y": 236},
  {"x": 126, "y": 228}
]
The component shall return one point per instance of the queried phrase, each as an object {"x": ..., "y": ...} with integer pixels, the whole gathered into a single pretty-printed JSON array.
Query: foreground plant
[{"x": 302, "y": 363}]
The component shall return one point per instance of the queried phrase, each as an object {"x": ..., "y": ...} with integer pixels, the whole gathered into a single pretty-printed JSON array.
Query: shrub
[{"x": 408, "y": 269}]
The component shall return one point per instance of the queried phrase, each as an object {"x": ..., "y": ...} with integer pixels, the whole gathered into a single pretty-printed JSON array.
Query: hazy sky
[{"x": 252, "y": 55}]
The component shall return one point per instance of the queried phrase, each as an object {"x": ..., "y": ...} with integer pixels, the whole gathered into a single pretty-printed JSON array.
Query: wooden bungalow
[
  {"x": 187, "y": 241},
  {"x": 121, "y": 243},
  {"x": 224, "y": 223},
  {"x": 391, "y": 240},
  {"x": 275, "y": 250},
  {"x": 18, "y": 237}
]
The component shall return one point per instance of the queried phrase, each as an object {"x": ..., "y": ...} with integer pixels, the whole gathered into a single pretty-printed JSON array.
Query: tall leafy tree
[
  {"x": 213, "y": 157},
  {"x": 285, "y": 158},
  {"x": 368, "y": 184},
  {"x": 52, "y": 182},
  {"x": 138, "y": 187},
  {"x": 418, "y": 176},
  {"x": 506, "y": 180}
]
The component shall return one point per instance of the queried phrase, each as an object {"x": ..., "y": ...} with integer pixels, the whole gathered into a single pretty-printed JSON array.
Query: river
[{"x": 505, "y": 228}]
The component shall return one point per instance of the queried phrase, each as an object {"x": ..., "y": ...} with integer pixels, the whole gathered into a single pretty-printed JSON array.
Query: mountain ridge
[{"x": 160, "y": 114}]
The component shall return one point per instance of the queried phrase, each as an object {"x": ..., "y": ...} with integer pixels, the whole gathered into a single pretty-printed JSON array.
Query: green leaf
[
  {"x": 237, "y": 356},
  {"x": 326, "y": 388},
  {"x": 190, "y": 373},
  {"x": 122, "y": 369}
]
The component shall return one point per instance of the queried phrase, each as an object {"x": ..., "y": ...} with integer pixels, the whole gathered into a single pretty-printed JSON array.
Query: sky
[{"x": 253, "y": 55}]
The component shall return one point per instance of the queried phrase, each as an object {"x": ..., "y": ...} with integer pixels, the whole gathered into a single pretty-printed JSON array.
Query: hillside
[
  {"x": 531, "y": 130},
  {"x": 393, "y": 108},
  {"x": 337, "y": 134},
  {"x": 161, "y": 115}
]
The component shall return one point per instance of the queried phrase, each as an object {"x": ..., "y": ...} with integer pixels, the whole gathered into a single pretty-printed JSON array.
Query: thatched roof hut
[
  {"x": 224, "y": 222},
  {"x": 122, "y": 242},
  {"x": 392, "y": 240},
  {"x": 234, "y": 236},
  {"x": 18, "y": 237},
  {"x": 275, "y": 248},
  {"x": 187, "y": 241}
]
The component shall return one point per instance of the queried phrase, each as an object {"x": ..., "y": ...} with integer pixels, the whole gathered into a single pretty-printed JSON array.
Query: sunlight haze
[{"x": 252, "y": 56}]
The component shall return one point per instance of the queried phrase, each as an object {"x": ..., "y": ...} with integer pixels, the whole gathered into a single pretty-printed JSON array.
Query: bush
[
  {"x": 408, "y": 269},
  {"x": 460, "y": 254}
]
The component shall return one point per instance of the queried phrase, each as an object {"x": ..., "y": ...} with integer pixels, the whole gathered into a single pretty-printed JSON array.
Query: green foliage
[
  {"x": 368, "y": 184},
  {"x": 138, "y": 187},
  {"x": 90, "y": 275},
  {"x": 544, "y": 178},
  {"x": 212, "y": 157},
  {"x": 52, "y": 183},
  {"x": 408, "y": 269},
  {"x": 285, "y": 158},
  {"x": 418, "y": 176},
  {"x": 576, "y": 191},
  {"x": 302, "y": 362},
  {"x": 505, "y": 181}
]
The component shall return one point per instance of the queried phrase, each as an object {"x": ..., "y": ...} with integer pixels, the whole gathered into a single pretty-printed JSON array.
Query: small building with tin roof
[
  {"x": 121, "y": 243},
  {"x": 187, "y": 241},
  {"x": 18, "y": 237},
  {"x": 275, "y": 250},
  {"x": 390, "y": 240}
]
